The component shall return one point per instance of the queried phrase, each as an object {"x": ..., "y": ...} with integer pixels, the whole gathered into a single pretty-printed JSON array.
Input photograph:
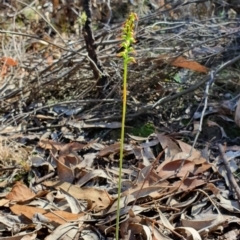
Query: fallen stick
[{"x": 231, "y": 178}]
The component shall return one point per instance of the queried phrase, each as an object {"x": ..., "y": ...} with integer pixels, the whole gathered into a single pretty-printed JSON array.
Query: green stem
[{"x": 122, "y": 143}]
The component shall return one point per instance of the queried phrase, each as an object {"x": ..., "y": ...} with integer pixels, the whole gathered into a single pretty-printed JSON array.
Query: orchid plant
[{"x": 126, "y": 45}]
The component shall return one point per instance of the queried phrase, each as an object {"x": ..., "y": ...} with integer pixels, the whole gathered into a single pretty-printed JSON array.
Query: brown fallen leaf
[
  {"x": 202, "y": 168},
  {"x": 113, "y": 149},
  {"x": 70, "y": 147},
  {"x": 204, "y": 221},
  {"x": 59, "y": 217},
  {"x": 181, "y": 62},
  {"x": 171, "y": 148},
  {"x": 4, "y": 202},
  {"x": 188, "y": 148},
  {"x": 189, "y": 184},
  {"x": 189, "y": 64},
  {"x": 194, "y": 157},
  {"x": 9, "y": 61},
  {"x": 64, "y": 149},
  {"x": 168, "y": 169},
  {"x": 50, "y": 144},
  {"x": 100, "y": 198},
  {"x": 65, "y": 173},
  {"x": 20, "y": 193}
]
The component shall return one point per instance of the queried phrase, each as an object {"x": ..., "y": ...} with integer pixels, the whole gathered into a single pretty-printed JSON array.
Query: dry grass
[{"x": 12, "y": 153}]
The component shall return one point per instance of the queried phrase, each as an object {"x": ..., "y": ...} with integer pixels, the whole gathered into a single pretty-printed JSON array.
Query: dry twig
[{"x": 229, "y": 172}]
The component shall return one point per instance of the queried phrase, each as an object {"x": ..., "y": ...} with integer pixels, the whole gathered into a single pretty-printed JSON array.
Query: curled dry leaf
[
  {"x": 186, "y": 203},
  {"x": 228, "y": 204},
  {"x": 125, "y": 226},
  {"x": 158, "y": 234},
  {"x": 202, "y": 221},
  {"x": 165, "y": 221},
  {"x": 171, "y": 148},
  {"x": 69, "y": 229},
  {"x": 93, "y": 174},
  {"x": 73, "y": 202}
]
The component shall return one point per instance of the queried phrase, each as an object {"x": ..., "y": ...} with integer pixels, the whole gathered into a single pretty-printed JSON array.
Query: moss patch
[{"x": 143, "y": 130}]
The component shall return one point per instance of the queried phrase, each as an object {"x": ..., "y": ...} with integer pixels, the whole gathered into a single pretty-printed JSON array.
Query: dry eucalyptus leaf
[{"x": 20, "y": 193}]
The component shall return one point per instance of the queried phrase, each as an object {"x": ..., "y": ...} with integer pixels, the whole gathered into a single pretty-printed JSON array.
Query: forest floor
[{"x": 60, "y": 121}]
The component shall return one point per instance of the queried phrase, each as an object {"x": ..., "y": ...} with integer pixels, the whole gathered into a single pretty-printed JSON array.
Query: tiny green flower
[
  {"x": 128, "y": 37},
  {"x": 131, "y": 59}
]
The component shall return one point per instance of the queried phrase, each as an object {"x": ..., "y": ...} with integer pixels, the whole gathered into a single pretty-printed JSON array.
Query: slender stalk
[
  {"x": 122, "y": 145},
  {"x": 128, "y": 39}
]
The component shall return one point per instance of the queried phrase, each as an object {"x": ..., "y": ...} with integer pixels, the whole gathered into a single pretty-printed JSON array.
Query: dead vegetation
[{"x": 61, "y": 96}]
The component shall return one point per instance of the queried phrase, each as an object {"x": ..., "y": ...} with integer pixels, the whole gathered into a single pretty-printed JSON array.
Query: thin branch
[
  {"x": 99, "y": 73},
  {"x": 209, "y": 83},
  {"x": 229, "y": 172}
]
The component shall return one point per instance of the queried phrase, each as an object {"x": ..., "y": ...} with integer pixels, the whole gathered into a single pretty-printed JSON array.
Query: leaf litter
[
  {"x": 59, "y": 174},
  {"x": 85, "y": 194}
]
